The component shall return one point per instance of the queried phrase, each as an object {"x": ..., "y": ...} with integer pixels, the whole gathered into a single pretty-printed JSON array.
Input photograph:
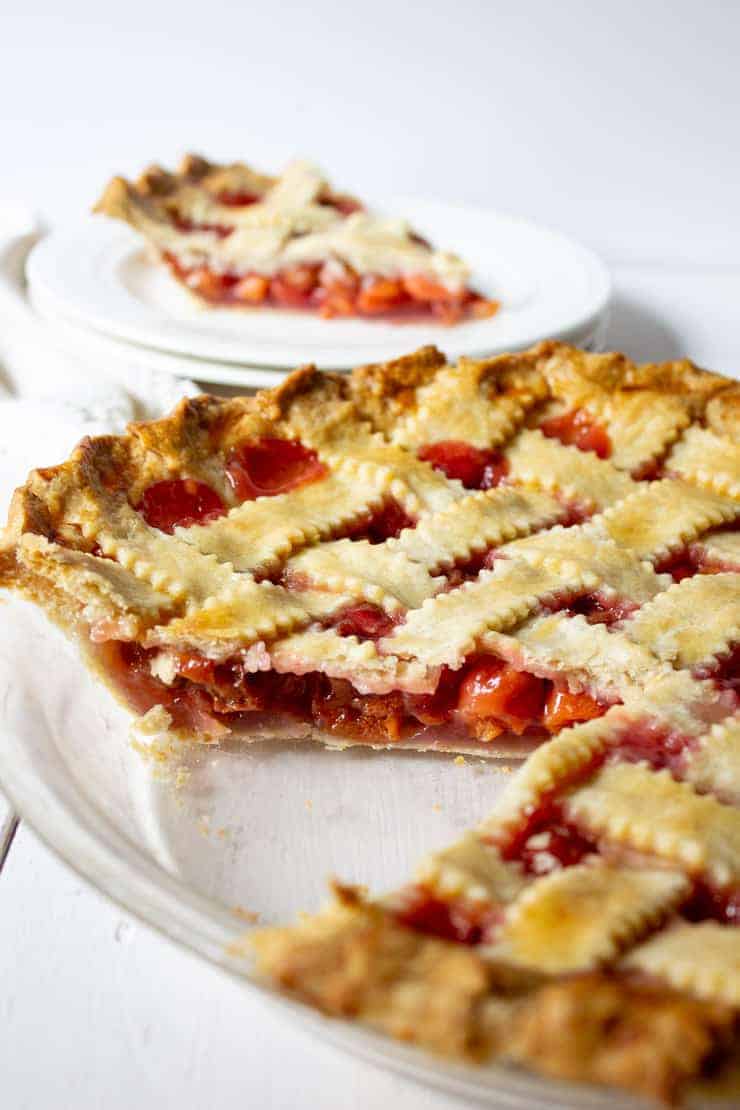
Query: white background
[{"x": 617, "y": 123}]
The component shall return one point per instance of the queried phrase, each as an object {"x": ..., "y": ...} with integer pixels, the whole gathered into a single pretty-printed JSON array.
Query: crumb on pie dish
[
  {"x": 536, "y": 554},
  {"x": 237, "y": 238}
]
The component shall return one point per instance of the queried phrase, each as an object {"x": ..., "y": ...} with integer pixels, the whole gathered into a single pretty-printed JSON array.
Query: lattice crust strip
[
  {"x": 415, "y": 484},
  {"x": 111, "y": 599},
  {"x": 453, "y": 407},
  {"x": 650, "y": 812},
  {"x": 720, "y": 548},
  {"x": 393, "y": 580},
  {"x": 702, "y": 959},
  {"x": 708, "y": 460},
  {"x": 651, "y": 840},
  {"x": 587, "y": 550},
  {"x": 259, "y": 535},
  {"x": 447, "y": 627},
  {"x": 478, "y": 522},
  {"x": 472, "y": 869},
  {"x": 580, "y": 917},
  {"x": 662, "y": 517},
  {"x": 223, "y": 610},
  {"x": 578, "y": 476},
  {"x": 347, "y": 657},
  {"x": 587, "y": 655},
  {"x": 712, "y": 763},
  {"x": 691, "y": 623}
]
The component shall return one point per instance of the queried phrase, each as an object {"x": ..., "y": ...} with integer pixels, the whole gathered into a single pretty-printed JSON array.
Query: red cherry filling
[
  {"x": 342, "y": 202},
  {"x": 331, "y": 289},
  {"x": 436, "y": 708},
  {"x": 679, "y": 565},
  {"x": 180, "y": 503},
  {"x": 488, "y": 696},
  {"x": 386, "y": 523},
  {"x": 547, "y": 841},
  {"x": 597, "y": 609},
  {"x": 578, "y": 429},
  {"x": 238, "y": 199},
  {"x": 563, "y": 709},
  {"x": 649, "y": 742},
  {"x": 189, "y": 706},
  {"x": 491, "y": 689},
  {"x": 475, "y": 467},
  {"x": 366, "y": 621},
  {"x": 267, "y": 467},
  {"x": 707, "y": 903},
  {"x": 724, "y": 672},
  {"x": 459, "y": 920},
  {"x": 560, "y": 845}
]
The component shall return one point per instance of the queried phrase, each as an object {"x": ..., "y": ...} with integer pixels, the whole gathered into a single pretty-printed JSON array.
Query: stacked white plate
[{"x": 96, "y": 284}]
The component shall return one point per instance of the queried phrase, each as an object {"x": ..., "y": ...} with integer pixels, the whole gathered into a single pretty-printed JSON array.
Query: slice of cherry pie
[
  {"x": 235, "y": 237},
  {"x": 537, "y": 552}
]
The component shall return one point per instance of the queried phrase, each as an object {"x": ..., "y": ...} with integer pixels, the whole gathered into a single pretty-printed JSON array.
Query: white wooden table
[{"x": 96, "y": 1010}]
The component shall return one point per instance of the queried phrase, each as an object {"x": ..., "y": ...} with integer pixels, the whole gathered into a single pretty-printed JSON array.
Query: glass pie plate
[{"x": 198, "y": 843}]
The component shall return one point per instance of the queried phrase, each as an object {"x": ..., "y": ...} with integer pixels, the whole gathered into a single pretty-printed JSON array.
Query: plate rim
[{"x": 44, "y": 269}]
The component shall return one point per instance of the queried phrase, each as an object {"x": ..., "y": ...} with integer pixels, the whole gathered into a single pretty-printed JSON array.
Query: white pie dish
[
  {"x": 95, "y": 273},
  {"x": 258, "y": 827}
]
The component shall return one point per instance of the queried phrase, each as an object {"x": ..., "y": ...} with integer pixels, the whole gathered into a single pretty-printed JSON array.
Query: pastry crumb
[
  {"x": 460, "y": 759},
  {"x": 309, "y": 804},
  {"x": 250, "y": 916}
]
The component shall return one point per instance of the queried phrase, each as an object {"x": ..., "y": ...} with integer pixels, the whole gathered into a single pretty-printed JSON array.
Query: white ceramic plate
[
  {"x": 78, "y": 339},
  {"x": 95, "y": 273},
  {"x": 118, "y": 354},
  {"x": 257, "y": 827}
]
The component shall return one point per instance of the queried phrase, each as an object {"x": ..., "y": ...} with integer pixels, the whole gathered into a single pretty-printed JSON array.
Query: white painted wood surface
[{"x": 99, "y": 1011}]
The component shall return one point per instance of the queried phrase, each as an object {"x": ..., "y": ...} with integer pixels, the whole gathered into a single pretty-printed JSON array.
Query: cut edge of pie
[
  {"x": 234, "y": 237},
  {"x": 537, "y": 552}
]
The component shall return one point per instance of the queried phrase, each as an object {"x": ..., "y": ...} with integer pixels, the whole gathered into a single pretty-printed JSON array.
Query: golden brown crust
[
  {"x": 356, "y": 961},
  {"x": 597, "y": 1029},
  {"x": 156, "y": 182},
  {"x": 233, "y": 220},
  {"x": 265, "y": 579}
]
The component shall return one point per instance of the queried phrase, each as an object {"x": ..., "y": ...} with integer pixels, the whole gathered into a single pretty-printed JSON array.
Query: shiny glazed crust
[{"x": 594, "y": 970}]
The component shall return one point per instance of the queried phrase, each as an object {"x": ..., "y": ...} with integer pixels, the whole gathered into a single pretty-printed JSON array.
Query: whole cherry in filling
[
  {"x": 266, "y": 467},
  {"x": 180, "y": 503},
  {"x": 493, "y": 689},
  {"x": 384, "y": 523},
  {"x": 366, "y": 621},
  {"x": 578, "y": 429},
  {"x": 459, "y": 919},
  {"x": 475, "y": 467}
]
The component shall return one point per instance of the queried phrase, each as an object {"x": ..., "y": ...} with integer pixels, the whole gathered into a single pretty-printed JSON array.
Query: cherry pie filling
[
  {"x": 483, "y": 700},
  {"x": 475, "y": 467},
  {"x": 579, "y": 429},
  {"x": 547, "y": 841},
  {"x": 329, "y": 288},
  {"x": 695, "y": 559}
]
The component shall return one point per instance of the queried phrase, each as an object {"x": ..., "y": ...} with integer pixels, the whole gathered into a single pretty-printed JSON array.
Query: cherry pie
[
  {"x": 534, "y": 553},
  {"x": 235, "y": 237}
]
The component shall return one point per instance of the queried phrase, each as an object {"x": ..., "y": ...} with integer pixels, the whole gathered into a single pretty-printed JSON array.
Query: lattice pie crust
[
  {"x": 568, "y": 521},
  {"x": 235, "y": 237}
]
